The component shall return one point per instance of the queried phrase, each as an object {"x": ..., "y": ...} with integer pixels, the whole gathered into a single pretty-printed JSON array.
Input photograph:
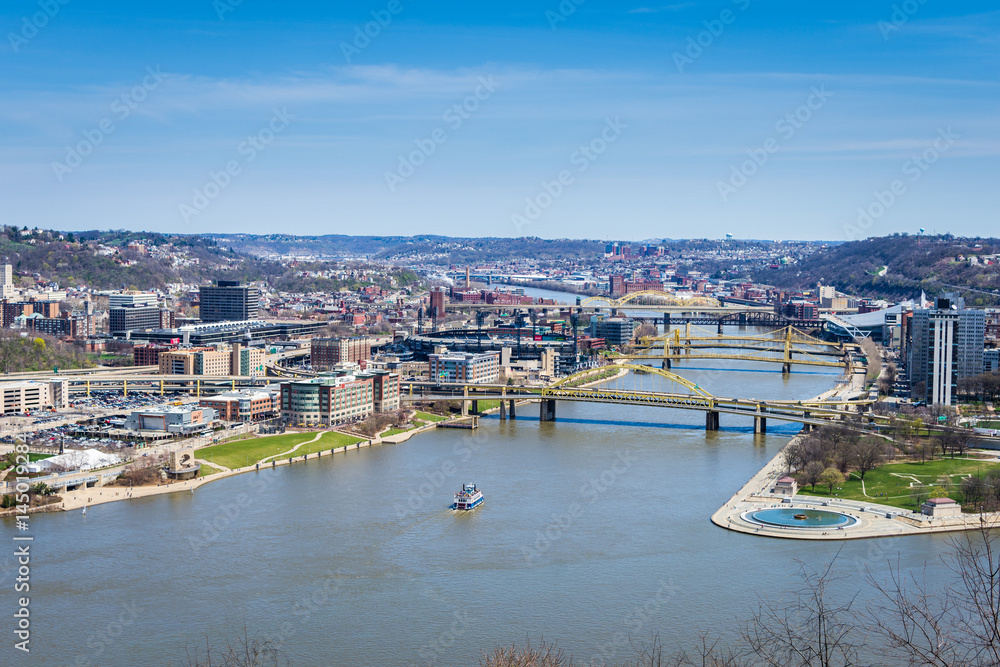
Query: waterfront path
[{"x": 874, "y": 520}]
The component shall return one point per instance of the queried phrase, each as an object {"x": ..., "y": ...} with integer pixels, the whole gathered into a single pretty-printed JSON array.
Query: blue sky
[{"x": 601, "y": 119}]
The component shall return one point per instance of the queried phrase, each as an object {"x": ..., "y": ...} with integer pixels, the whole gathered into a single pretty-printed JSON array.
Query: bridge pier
[
  {"x": 513, "y": 408},
  {"x": 711, "y": 421},
  {"x": 503, "y": 409},
  {"x": 666, "y": 323},
  {"x": 806, "y": 428},
  {"x": 720, "y": 326},
  {"x": 475, "y": 407},
  {"x": 547, "y": 410},
  {"x": 786, "y": 368},
  {"x": 760, "y": 425},
  {"x": 667, "y": 364}
]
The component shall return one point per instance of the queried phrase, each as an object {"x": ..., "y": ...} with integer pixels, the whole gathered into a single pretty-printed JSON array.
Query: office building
[
  {"x": 467, "y": 367},
  {"x": 946, "y": 346},
  {"x": 242, "y": 406},
  {"x": 991, "y": 360},
  {"x": 385, "y": 388},
  {"x": 327, "y": 353},
  {"x": 133, "y": 311},
  {"x": 7, "y": 288},
  {"x": 328, "y": 400},
  {"x": 228, "y": 301},
  {"x": 616, "y": 331},
  {"x": 205, "y": 361}
]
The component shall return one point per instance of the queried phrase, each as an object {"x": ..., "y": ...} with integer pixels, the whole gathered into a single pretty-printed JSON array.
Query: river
[{"x": 595, "y": 526}]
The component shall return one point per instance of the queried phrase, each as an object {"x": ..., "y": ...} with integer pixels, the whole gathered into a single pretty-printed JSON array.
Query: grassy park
[
  {"x": 891, "y": 484},
  {"x": 428, "y": 417},
  {"x": 240, "y": 453},
  {"x": 207, "y": 470}
]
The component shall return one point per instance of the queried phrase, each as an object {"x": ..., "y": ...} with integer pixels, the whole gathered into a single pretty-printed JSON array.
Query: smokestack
[{"x": 468, "y": 283}]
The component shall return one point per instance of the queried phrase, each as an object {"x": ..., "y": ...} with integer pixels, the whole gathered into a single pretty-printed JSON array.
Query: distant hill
[
  {"x": 147, "y": 260},
  {"x": 440, "y": 249},
  {"x": 899, "y": 267}
]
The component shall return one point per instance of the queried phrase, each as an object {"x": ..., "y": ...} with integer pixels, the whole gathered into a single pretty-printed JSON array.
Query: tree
[
  {"x": 869, "y": 454},
  {"x": 923, "y": 449},
  {"x": 938, "y": 492},
  {"x": 806, "y": 630},
  {"x": 811, "y": 473},
  {"x": 954, "y": 442},
  {"x": 956, "y": 626},
  {"x": 831, "y": 477}
]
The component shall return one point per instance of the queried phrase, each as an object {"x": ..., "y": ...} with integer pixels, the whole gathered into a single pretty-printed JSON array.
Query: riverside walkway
[{"x": 873, "y": 519}]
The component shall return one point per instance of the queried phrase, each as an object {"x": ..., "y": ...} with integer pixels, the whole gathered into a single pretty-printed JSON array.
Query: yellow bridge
[
  {"x": 689, "y": 396},
  {"x": 787, "y": 346}
]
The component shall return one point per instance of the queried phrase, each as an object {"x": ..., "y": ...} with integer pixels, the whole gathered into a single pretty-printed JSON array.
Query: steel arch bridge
[{"x": 651, "y": 297}]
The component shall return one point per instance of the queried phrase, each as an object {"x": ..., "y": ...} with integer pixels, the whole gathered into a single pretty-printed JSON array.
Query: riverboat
[{"x": 469, "y": 498}]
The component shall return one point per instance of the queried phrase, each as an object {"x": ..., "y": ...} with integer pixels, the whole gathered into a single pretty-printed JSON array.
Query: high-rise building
[
  {"x": 618, "y": 285},
  {"x": 7, "y": 287},
  {"x": 437, "y": 304},
  {"x": 616, "y": 331},
  {"x": 946, "y": 346},
  {"x": 133, "y": 311},
  {"x": 228, "y": 301}
]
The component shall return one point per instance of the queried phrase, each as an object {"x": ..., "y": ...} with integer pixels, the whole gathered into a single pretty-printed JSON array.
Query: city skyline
[{"x": 560, "y": 121}]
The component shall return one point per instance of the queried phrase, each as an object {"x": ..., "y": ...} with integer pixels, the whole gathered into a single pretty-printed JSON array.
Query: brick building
[{"x": 326, "y": 353}]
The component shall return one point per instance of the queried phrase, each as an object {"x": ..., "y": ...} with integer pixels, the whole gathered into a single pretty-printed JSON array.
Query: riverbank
[
  {"x": 80, "y": 498},
  {"x": 872, "y": 519}
]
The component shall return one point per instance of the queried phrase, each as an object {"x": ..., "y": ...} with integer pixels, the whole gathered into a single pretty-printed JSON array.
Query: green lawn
[
  {"x": 239, "y": 453},
  {"x": 488, "y": 405},
  {"x": 329, "y": 441},
  {"x": 890, "y": 484},
  {"x": 428, "y": 417},
  {"x": 597, "y": 376},
  {"x": 207, "y": 470}
]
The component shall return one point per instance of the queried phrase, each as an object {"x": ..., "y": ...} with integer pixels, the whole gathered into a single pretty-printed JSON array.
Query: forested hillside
[
  {"x": 900, "y": 267},
  {"x": 145, "y": 260}
]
